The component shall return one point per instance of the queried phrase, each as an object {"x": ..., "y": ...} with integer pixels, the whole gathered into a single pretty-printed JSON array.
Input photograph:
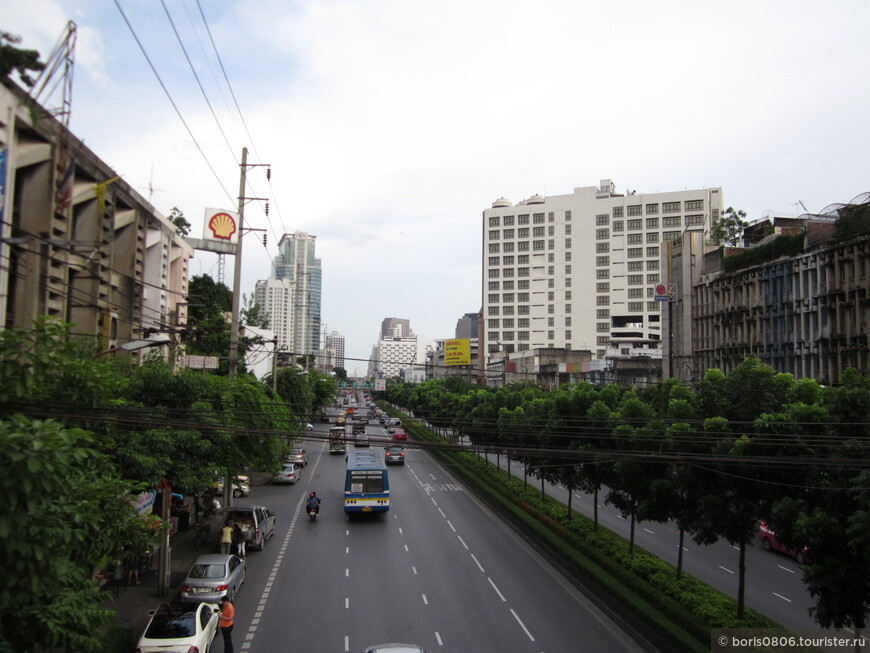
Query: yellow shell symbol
[{"x": 222, "y": 226}]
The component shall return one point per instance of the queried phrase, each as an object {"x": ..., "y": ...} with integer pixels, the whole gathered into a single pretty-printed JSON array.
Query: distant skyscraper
[
  {"x": 297, "y": 264},
  {"x": 274, "y": 297},
  {"x": 466, "y": 326},
  {"x": 397, "y": 348},
  {"x": 335, "y": 349},
  {"x": 394, "y": 327}
]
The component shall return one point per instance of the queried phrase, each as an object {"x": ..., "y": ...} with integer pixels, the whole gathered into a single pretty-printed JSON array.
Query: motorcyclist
[{"x": 314, "y": 503}]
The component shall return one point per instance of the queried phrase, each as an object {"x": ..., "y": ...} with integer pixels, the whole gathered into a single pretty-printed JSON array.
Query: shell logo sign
[{"x": 221, "y": 225}]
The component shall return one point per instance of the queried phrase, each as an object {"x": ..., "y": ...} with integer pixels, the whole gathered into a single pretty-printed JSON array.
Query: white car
[
  {"x": 241, "y": 486},
  {"x": 288, "y": 474},
  {"x": 180, "y": 628}
]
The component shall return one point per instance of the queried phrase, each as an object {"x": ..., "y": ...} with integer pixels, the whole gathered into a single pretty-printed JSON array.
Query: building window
[
  {"x": 508, "y": 310},
  {"x": 602, "y": 273},
  {"x": 551, "y": 270},
  {"x": 537, "y": 232},
  {"x": 523, "y": 259},
  {"x": 670, "y": 235},
  {"x": 507, "y": 297},
  {"x": 551, "y": 321},
  {"x": 523, "y": 323},
  {"x": 653, "y": 307},
  {"x": 567, "y": 295},
  {"x": 493, "y": 285},
  {"x": 635, "y": 293},
  {"x": 618, "y": 225},
  {"x": 671, "y": 207},
  {"x": 567, "y": 229},
  {"x": 523, "y": 272},
  {"x": 602, "y": 287},
  {"x": 551, "y": 244},
  {"x": 494, "y": 274},
  {"x": 567, "y": 244},
  {"x": 652, "y": 251},
  {"x": 652, "y": 278},
  {"x": 634, "y": 225},
  {"x": 522, "y": 310},
  {"x": 635, "y": 252},
  {"x": 652, "y": 223},
  {"x": 508, "y": 247},
  {"x": 493, "y": 260},
  {"x": 508, "y": 221},
  {"x": 507, "y": 335},
  {"x": 652, "y": 265},
  {"x": 635, "y": 266},
  {"x": 551, "y": 217},
  {"x": 617, "y": 212},
  {"x": 508, "y": 233},
  {"x": 694, "y": 220},
  {"x": 508, "y": 285},
  {"x": 508, "y": 260},
  {"x": 523, "y": 219},
  {"x": 523, "y": 233},
  {"x": 551, "y": 334},
  {"x": 551, "y": 231},
  {"x": 602, "y": 234},
  {"x": 551, "y": 309},
  {"x": 568, "y": 321},
  {"x": 635, "y": 307},
  {"x": 670, "y": 222},
  {"x": 523, "y": 285},
  {"x": 652, "y": 209},
  {"x": 493, "y": 310},
  {"x": 602, "y": 219},
  {"x": 522, "y": 335},
  {"x": 509, "y": 272},
  {"x": 493, "y": 234},
  {"x": 507, "y": 323},
  {"x": 567, "y": 215},
  {"x": 602, "y": 260},
  {"x": 522, "y": 246},
  {"x": 602, "y": 327},
  {"x": 634, "y": 209},
  {"x": 522, "y": 296},
  {"x": 494, "y": 221},
  {"x": 694, "y": 205},
  {"x": 551, "y": 296},
  {"x": 538, "y": 218},
  {"x": 602, "y": 313},
  {"x": 634, "y": 239},
  {"x": 537, "y": 245},
  {"x": 567, "y": 256},
  {"x": 567, "y": 269},
  {"x": 602, "y": 248},
  {"x": 492, "y": 324},
  {"x": 493, "y": 336},
  {"x": 601, "y": 300},
  {"x": 652, "y": 237},
  {"x": 493, "y": 298},
  {"x": 635, "y": 279}
]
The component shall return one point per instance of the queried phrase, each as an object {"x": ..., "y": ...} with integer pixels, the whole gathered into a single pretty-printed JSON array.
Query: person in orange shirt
[{"x": 227, "y": 616}]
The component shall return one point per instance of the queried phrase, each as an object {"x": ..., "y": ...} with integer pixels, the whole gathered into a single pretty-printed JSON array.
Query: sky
[{"x": 390, "y": 125}]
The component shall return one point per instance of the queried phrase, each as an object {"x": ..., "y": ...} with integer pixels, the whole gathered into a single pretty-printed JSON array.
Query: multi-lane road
[{"x": 438, "y": 570}]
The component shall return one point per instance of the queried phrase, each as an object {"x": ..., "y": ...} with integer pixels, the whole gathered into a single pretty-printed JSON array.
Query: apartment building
[{"x": 579, "y": 271}]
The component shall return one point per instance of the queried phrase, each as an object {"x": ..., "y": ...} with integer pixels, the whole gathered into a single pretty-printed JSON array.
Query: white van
[{"x": 392, "y": 423}]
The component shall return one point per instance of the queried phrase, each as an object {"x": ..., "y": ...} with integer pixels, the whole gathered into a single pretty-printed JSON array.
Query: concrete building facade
[
  {"x": 300, "y": 270},
  {"x": 76, "y": 241},
  {"x": 579, "y": 271}
]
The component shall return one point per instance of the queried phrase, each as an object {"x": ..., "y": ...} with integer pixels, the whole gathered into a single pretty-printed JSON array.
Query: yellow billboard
[{"x": 457, "y": 352}]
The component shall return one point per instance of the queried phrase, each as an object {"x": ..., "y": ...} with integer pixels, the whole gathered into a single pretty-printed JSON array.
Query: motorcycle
[{"x": 312, "y": 513}]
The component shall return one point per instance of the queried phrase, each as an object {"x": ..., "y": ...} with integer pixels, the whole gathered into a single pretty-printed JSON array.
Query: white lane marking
[
  {"x": 649, "y": 531},
  {"x": 726, "y": 569},
  {"x": 425, "y": 600},
  {"x": 781, "y": 597},
  {"x": 791, "y": 571},
  {"x": 346, "y": 602},
  {"x": 438, "y": 638},
  {"x": 347, "y": 573},
  {"x": 406, "y": 548},
  {"x": 433, "y": 501},
  {"x": 522, "y": 625},
  {"x": 400, "y": 531},
  {"x": 459, "y": 537},
  {"x": 346, "y": 644},
  {"x": 500, "y": 595},
  {"x": 479, "y": 566},
  {"x": 442, "y": 513},
  {"x": 450, "y": 524},
  {"x": 414, "y": 569}
]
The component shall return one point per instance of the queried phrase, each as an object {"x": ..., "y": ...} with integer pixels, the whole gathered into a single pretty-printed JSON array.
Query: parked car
[
  {"x": 213, "y": 576},
  {"x": 180, "y": 628},
  {"x": 400, "y": 436},
  {"x": 241, "y": 486},
  {"x": 394, "y": 454},
  {"x": 257, "y": 522},
  {"x": 769, "y": 542},
  {"x": 395, "y": 648},
  {"x": 289, "y": 474},
  {"x": 309, "y": 427},
  {"x": 297, "y": 455}
]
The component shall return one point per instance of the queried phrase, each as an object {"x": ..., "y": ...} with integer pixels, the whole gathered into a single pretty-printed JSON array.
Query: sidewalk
[{"x": 132, "y": 602}]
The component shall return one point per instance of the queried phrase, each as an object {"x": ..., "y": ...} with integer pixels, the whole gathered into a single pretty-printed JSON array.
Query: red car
[
  {"x": 769, "y": 542},
  {"x": 400, "y": 436}
]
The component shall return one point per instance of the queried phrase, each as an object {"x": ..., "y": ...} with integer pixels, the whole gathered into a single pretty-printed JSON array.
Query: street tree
[
  {"x": 728, "y": 229},
  {"x": 18, "y": 60}
]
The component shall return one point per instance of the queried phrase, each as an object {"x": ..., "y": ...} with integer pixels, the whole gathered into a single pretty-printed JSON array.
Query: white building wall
[
  {"x": 579, "y": 271},
  {"x": 275, "y": 297}
]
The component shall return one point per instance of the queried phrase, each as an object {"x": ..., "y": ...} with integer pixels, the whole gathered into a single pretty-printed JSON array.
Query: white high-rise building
[
  {"x": 398, "y": 348},
  {"x": 275, "y": 297},
  {"x": 332, "y": 355},
  {"x": 580, "y": 271}
]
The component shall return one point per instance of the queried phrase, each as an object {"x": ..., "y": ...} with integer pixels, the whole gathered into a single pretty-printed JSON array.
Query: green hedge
[{"x": 682, "y": 610}]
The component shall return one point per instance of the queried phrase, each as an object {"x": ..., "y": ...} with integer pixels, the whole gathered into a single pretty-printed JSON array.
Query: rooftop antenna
[
  {"x": 806, "y": 210},
  {"x": 58, "y": 71}
]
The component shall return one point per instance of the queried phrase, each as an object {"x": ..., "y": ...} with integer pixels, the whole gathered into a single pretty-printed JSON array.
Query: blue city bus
[{"x": 366, "y": 483}]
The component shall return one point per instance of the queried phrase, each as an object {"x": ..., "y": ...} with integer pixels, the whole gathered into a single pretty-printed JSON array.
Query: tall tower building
[
  {"x": 334, "y": 348},
  {"x": 275, "y": 297},
  {"x": 297, "y": 265},
  {"x": 466, "y": 326},
  {"x": 580, "y": 271}
]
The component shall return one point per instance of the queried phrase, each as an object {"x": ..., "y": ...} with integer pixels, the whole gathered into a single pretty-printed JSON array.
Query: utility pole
[{"x": 237, "y": 283}]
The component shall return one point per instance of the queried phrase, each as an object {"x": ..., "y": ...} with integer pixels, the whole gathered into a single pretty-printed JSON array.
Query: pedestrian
[
  {"x": 227, "y": 538},
  {"x": 239, "y": 540},
  {"x": 227, "y": 616}
]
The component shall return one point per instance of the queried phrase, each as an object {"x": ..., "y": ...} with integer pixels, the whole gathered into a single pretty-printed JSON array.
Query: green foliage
[
  {"x": 782, "y": 246},
  {"x": 176, "y": 217},
  {"x": 62, "y": 515},
  {"x": 853, "y": 221},
  {"x": 728, "y": 229},
  {"x": 20, "y": 60}
]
